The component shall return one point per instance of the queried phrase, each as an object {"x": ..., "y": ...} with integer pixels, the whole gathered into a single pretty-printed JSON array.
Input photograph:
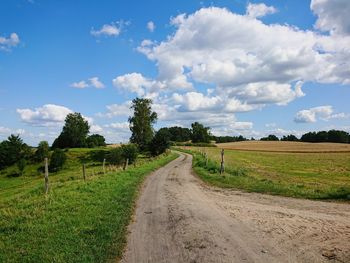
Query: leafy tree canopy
[
  {"x": 141, "y": 123},
  {"x": 200, "y": 133},
  {"x": 74, "y": 132}
]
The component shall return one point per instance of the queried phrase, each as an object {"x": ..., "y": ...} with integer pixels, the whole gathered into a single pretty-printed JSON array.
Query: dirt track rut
[{"x": 180, "y": 219}]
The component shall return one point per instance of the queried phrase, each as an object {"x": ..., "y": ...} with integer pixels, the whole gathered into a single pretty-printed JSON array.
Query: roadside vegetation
[
  {"x": 78, "y": 221},
  {"x": 306, "y": 175}
]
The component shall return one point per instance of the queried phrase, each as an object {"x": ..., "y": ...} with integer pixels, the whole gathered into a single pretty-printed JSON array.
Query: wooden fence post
[
  {"x": 126, "y": 163},
  {"x": 104, "y": 166},
  {"x": 206, "y": 159},
  {"x": 222, "y": 167},
  {"x": 84, "y": 172},
  {"x": 46, "y": 176}
]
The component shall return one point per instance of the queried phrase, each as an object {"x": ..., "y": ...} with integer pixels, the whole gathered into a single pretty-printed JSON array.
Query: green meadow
[{"x": 78, "y": 221}]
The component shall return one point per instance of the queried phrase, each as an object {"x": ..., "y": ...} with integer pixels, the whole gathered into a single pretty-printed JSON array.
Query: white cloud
[
  {"x": 115, "y": 110},
  {"x": 47, "y": 115},
  {"x": 318, "y": 113},
  {"x": 259, "y": 10},
  {"x": 7, "y": 43},
  {"x": 332, "y": 15},
  {"x": 119, "y": 126},
  {"x": 94, "y": 128},
  {"x": 80, "y": 85},
  {"x": 253, "y": 62},
  {"x": 113, "y": 29},
  {"x": 91, "y": 82},
  {"x": 137, "y": 83},
  {"x": 151, "y": 26},
  {"x": 95, "y": 82},
  {"x": 4, "y": 131}
]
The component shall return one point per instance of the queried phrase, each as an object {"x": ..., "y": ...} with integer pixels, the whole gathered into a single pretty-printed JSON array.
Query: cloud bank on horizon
[{"x": 217, "y": 64}]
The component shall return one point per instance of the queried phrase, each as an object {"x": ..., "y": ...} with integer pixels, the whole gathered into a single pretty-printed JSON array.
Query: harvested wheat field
[{"x": 283, "y": 146}]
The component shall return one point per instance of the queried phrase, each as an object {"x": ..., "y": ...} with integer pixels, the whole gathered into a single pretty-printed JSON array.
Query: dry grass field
[
  {"x": 282, "y": 146},
  {"x": 285, "y": 168}
]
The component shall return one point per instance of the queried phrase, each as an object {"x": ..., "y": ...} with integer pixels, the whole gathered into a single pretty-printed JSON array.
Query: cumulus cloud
[
  {"x": 91, "y": 82},
  {"x": 249, "y": 67},
  {"x": 259, "y": 10},
  {"x": 112, "y": 29},
  {"x": 318, "y": 113},
  {"x": 332, "y": 16},
  {"x": 47, "y": 115},
  {"x": 252, "y": 61},
  {"x": 137, "y": 83},
  {"x": 151, "y": 26},
  {"x": 7, "y": 43}
]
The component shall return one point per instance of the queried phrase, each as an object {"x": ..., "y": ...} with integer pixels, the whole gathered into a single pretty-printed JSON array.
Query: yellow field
[
  {"x": 282, "y": 146},
  {"x": 279, "y": 170}
]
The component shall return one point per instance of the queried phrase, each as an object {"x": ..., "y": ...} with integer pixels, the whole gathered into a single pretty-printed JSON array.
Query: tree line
[{"x": 335, "y": 136}]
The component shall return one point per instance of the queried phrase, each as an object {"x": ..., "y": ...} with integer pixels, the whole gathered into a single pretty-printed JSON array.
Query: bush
[
  {"x": 21, "y": 164},
  {"x": 129, "y": 151},
  {"x": 42, "y": 151},
  {"x": 115, "y": 156},
  {"x": 98, "y": 155},
  {"x": 57, "y": 160},
  {"x": 95, "y": 140},
  {"x": 160, "y": 142}
]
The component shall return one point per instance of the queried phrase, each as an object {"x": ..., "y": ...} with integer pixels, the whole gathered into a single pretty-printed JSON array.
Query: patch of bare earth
[{"x": 179, "y": 219}]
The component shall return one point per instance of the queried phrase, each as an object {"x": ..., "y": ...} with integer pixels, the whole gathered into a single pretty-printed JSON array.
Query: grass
[
  {"x": 77, "y": 221},
  {"x": 306, "y": 175}
]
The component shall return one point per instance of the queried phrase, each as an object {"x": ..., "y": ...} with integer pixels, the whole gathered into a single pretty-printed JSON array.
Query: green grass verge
[
  {"x": 278, "y": 174},
  {"x": 77, "y": 221}
]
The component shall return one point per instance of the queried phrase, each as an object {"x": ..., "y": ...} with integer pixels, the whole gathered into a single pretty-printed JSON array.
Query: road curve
[{"x": 180, "y": 219}]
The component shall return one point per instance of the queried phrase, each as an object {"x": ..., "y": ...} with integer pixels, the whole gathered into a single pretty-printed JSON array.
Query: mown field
[
  {"x": 78, "y": 221},
  {"x": 307, "y": 175},
  {"x": 284, "y": 146}
]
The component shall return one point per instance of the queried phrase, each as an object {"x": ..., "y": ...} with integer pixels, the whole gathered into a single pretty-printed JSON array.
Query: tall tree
[
  {"x": 141, "y": 123},
  {"x": 74, "y": 132},
  {"x": 200, "y": 133}
]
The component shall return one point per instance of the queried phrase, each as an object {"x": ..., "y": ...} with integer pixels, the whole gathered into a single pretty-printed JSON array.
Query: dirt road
[{"x": 180, "y": 219}]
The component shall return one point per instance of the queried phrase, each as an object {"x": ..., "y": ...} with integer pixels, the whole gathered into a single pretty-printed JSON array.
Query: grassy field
[
  {"x": 77, "y": 221},
  {"x": 284, "y": 146},
  {"x": 307, "y": 175}
]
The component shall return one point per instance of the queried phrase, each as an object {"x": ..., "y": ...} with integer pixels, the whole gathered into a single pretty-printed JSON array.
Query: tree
[
  {"x": 271, "y": 137},
  {"x": 291, "y": 138},
  {"x": 74, "y": 132},
  {"x": 42, "y": 151},
  {"x": 160, "y": 142},
  {"x": 200, "y": 133},
  {"x": 338, "y": 136},
  {"x": 141, "y": 123},
  {"x": 12, "y": 150},
  {"x": 95, "y": 140},
  {"x": 179, "y": 134},
  {"x": 57, "y": 160}
]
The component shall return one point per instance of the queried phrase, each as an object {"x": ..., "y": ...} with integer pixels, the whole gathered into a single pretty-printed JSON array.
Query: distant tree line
[
  {"x": 223, "y": 139},
  {"x": 335, "y": 136}
]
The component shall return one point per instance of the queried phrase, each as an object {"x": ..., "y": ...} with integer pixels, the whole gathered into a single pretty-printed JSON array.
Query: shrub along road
[{"x": 180, "y": 219}]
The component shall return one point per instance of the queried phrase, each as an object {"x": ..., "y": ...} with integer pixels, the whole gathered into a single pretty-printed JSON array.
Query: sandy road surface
[{"x": 179, "y": 219}]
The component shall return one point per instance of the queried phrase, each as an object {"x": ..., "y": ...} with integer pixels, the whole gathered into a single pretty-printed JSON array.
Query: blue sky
[{"x": 240, "y": 67}]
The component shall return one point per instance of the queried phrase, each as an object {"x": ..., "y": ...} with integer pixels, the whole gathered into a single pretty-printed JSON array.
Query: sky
[{"x": 241, "y": 67}]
